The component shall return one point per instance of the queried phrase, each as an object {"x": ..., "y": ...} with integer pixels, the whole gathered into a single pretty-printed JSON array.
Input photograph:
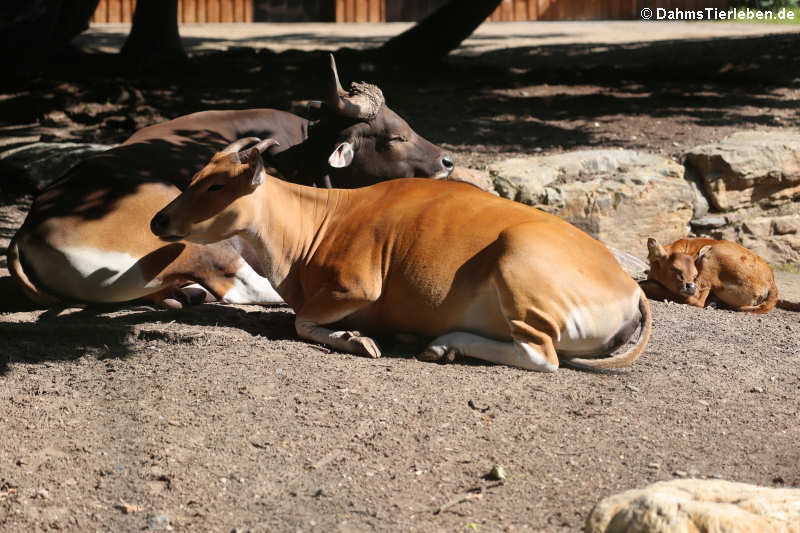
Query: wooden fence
[
  {"x": 394, "y": 10},
  {"x": 188, "y": 11}
]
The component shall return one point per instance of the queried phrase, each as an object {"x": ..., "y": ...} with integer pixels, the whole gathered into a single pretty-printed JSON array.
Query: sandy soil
[{"x": 218, "y": 418}]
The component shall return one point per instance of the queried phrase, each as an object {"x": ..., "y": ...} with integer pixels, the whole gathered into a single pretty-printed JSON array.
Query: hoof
[{"x": 438, "y": 353}]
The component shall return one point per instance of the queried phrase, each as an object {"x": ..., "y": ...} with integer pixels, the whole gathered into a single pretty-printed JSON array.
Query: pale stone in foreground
[{"x": 698, "y": 505}]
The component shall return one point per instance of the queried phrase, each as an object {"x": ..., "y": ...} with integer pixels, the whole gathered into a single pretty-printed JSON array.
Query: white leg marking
[
  {"x": 345, "y": 341},
  {"x": 250, "y": 288},
  {"x": 514, "y": 353}
]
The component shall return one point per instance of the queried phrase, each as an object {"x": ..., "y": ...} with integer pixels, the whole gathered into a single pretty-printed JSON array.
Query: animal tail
[
  {"x": 627, "y": 358},
  {"x": 766, "y": 305},
  {"x": 28, "y": 287}
]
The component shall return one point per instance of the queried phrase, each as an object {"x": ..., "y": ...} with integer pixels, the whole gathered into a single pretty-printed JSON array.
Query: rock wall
[
  {"x": 752, "y": 181},
  {"x": 620, "y": 197},
  {"x": 745, "y": 188}
]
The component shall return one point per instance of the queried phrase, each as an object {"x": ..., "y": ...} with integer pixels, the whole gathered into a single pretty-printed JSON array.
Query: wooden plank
[
  {"x": 361, "y": 10},
  {"x": 547, "y": 9},
  {"x": 212, "y": 10},
  {"x": 374, "y": 11},
  {"x": 127, "y": 11},
  {"x": 532, "y": 9},
  {"x": 114, "y": 11},
  {"x": 238, "y": 10},
  {"x": 226, "y": 11},
  {"x": 339, "y": 16},
  {"x": 248, "y": 10},
  {"x": 202, "y": 13},
  {"x": 520, "y": 8},
  {"x": 351, "y": 10},
  {"x": 506, "y": 10},
  {"x": 189, "y": 11},
  {"x": 102, "y": 11}
]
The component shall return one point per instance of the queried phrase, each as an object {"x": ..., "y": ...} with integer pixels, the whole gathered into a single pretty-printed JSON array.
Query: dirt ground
[{"x": 218, "y": 418}]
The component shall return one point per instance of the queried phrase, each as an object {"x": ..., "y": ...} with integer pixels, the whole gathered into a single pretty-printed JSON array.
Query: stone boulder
[
  {"x": 620, "y": 197},
  {"x": 478, "y": 178},
  {"x": 41, "y": 163},
  {"x": 774, "y": 238},
  {"x": 750, "y": 167},
  {"x": 635, "y": 267},
  {"x": 693, "y": 505}
]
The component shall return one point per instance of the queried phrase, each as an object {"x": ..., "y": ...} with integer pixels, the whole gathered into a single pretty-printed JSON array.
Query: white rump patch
[
  {"x": 92, "y": 274},
  {"x": 589, "y": 327}
]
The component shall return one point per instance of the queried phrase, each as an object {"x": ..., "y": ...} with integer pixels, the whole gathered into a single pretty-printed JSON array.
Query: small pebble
[
  {"x": 497, "y": 473},
  {"x": 159, "y": 522}
]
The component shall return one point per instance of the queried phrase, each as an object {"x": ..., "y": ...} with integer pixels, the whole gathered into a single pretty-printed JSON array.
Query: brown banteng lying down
[
  {"x": 87, "y": 237},
  {"x": 487, "y": 277},
  {"x": 690, "y": 270}
]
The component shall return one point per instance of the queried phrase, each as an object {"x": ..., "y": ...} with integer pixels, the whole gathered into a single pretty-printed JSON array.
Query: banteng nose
[
  {"x": 447, "y": 163},
  {"x": 159, "y": 223},
  {"x": 689, "y": 288}
]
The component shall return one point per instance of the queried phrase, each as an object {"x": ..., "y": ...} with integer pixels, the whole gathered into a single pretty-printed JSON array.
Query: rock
[
  {"x": 700, "y": 201},
  {"x": 788, "y": 289},
  {"x": 631, "y": 264},
  {"x": 41, "y": 163},
  {"x": 684, "y": 505},
  {"x": 774, "y": 238},
  {"x": 497, "y": 473},
  {"x": 159, "y": 522},
  {"x": 749, "y": 167},
  {"x": 620, "y": 197},
  {"x": 479, "y": 178},
  {"x": 709, "y": 222}
]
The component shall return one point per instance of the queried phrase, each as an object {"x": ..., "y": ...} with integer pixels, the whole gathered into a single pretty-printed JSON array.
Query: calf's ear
[
  {"x": 703, "y": 251},
  {"x": 655, "y": 251},
  {"x": 342, "y": 156}
]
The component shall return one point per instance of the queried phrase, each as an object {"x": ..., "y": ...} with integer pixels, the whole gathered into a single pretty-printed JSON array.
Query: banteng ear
[
  {"x": 655, "y": 252},
  {"x": 703, "y": 251},
  {"x": 342, "y": 156},
  {"x": 253, "y": 158}
]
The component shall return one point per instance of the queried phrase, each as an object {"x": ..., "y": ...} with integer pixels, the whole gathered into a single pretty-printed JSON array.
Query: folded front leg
[
  {"x": 328, "y": 307},
  {"x": 344, "y": 341}
]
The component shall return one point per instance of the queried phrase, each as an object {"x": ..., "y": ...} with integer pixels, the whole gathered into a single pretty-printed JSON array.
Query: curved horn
[
  {"x": 236, "y": 146},
  {"x": 362, "y": 102},
  {"x": 266, "y": 143}
]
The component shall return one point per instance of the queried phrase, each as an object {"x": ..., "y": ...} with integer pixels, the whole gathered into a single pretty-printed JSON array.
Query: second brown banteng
[
  {"x": 484, "y": 276},
  {"x": 692, "y": 270},
  {"x": 85, "y": 238}
]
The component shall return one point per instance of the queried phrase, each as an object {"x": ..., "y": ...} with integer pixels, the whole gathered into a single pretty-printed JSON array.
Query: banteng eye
[
  {"x": 397, "y": 138},
  {"x": 215, "y": 187}
]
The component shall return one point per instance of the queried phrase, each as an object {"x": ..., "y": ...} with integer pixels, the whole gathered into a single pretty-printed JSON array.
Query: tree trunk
[
  {"x": 440, "y": 32},
  {"x": 154, "y": 36}
]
